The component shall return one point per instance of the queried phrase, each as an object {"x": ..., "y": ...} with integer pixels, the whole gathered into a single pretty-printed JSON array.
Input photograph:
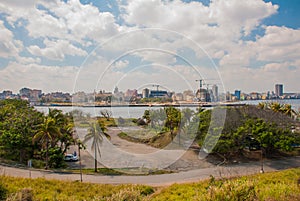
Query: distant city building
[
  {"x": 215, "y": 93},
  {"x": 145, "y": 93},
  {"x": 255, "y": 96},
  {"x": 188, "y": 95},
  {"x": 25, "y": 92},
  {"x": 279, "y": 90},
  {"x": 203, "y": 95},
  {"x": 116, "y": 91},
  {"x": 177, "y": 97},
  {"x": 237, "y": 94},
  {"x": 6, "y": 95},
  {"x": 158, "y": 94}
]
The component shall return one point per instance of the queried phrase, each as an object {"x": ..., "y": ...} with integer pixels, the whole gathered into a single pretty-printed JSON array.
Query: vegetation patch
[
  {"x": 277, "y": 186},
  {"x": 271, "y": 129},
  {"x": 269, "y": 186}
]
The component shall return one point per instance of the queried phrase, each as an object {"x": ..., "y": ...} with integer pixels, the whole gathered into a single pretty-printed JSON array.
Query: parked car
[{"x": 70, "y": 157}]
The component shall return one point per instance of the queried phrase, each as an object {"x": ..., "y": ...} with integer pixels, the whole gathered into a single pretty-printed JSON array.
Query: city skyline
[
  {"x": 278, "y": 90},
  {"x": 90, "y": 45}
]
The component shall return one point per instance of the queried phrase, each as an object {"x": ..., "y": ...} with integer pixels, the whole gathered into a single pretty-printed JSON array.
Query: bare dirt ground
[{"x": 132, "y": 154}]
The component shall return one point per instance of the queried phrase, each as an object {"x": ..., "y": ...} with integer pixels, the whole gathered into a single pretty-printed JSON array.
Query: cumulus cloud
[
  {"x": 173, "y": 33},
  {"x": 9, "y": 47},
  {"x": 278, "y": 44},
  {"x": 48, "y": 78},
  {"x": 56, "y": 50}
]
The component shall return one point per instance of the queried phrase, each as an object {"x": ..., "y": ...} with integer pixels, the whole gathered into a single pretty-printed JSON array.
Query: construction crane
[
  {"x": 156, "y": 85},
  {"x": 200, "y": 83}
]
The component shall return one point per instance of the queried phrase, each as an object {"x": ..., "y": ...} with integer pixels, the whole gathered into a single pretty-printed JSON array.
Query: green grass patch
[
  {"x": 277, "y": 186},
  {"x": 121, "y": 171},
  {"x": 42, "y": 189},
  {"x": 269, "y": 186}
]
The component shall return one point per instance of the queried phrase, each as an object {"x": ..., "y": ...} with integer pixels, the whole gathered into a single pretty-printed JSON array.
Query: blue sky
[{"x": 90, "y": 45}]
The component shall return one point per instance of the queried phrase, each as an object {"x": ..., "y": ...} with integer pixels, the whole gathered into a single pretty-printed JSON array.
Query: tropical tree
[
  {"x": 187, "y": 113},
  {"x": 275, "y": 106},
  {"x": 47, "y": 135},
  {"x": 17, "y": 126},
  {"x": 95, "y": 133},
  {"x": 262, "y": 105},
  {"x": 287, "y": 110},
  {"x": 173, "y": 118}
]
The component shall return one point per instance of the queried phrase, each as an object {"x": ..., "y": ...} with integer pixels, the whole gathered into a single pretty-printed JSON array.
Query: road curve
[{"x": 163, "y": 179}]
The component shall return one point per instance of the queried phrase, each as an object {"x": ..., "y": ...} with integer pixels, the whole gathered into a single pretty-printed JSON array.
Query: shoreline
[{"x": 145, "y": 105}]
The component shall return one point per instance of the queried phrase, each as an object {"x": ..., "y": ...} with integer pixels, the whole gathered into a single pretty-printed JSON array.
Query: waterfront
[{"x": 136, "y": 112}]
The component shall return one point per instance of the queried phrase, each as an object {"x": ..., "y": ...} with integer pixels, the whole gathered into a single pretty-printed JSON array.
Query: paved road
[{"x": 160, "y": 180}]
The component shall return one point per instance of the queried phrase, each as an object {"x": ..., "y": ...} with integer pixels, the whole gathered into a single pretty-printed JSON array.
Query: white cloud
[
  {"x": 120, "y": 64},
  {"x": 237, "y": 15},
  {"x": 218, "y": 29},
  {"x": 218, "y": 26},
  {"x": 42, "y": 24},
  {"x": 27, "y": 60},
  {"x": 16, "y": 9},
  {"x": 9, "y": 47},
  {"x": 56, "y": 50},
  {"x": 48, "y": 78},
  {"x": 278, "y": 44},
  {"x": 80, "y": 21}
]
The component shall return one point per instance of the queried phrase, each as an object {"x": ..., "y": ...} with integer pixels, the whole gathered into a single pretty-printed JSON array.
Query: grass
[
  {"x": 269, "y": 186},
  {"x": 283, "y": 185},
  {"x": 122, "y": 171}
]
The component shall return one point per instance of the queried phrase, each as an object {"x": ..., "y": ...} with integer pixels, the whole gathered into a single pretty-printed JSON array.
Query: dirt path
[{"x": 120, "y": 153}]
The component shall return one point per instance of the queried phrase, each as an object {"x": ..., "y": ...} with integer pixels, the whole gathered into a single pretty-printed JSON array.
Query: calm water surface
[{"x": 136, "y": 112}]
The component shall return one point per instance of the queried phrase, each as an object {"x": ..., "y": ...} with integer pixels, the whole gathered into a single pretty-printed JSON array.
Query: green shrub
[
  {"x": 3, "y": 192},
  {"x": 147, "y": 190}
]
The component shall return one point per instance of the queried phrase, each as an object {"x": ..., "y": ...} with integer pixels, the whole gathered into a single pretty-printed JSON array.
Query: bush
[
  {"x": 56, "y": 158},
  {"x": 3, "y": 192},
  {"x": 147, "y": 190},
  {"x": 38, "y": 163}
]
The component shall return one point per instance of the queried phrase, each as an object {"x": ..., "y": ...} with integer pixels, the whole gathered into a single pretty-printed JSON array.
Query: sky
[{"x": 90, "y": 45}]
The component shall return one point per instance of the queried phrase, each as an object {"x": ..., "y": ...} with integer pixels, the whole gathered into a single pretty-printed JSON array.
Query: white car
[{"x": 71, "y": 157}]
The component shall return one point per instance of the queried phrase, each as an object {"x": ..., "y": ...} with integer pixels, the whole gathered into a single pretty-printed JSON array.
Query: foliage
[
  {"x": 27, "y": 134},
  {"x": 271, "y": 131},
  {"x": 18, "y": 124},
  {"x": 43, "y": 189},
  {"x": 106, "y": 114},
  {"x": 163, "y": 119},
  {"x": 56, "y": 158},
  {"x": 47, "y": 135},
  {"x": 95, "y": 133},
  {"x": 3, "y": 192},
  {"x": 269, "y": 186},
  {"x": 277, "y": 107}
]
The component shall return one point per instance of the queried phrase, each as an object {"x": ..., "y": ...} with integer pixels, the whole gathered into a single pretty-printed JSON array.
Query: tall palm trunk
[
  {"x": 95, "y": 160},
  {"x": 47, "y": 148}
]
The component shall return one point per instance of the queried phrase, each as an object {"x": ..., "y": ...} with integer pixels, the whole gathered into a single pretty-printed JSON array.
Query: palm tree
[
  {"x": 95, "y": 133},
  {"x": 262, "y": 105},
  {"x": 47, "y": 133},
  {"x": 275, "y": 106},
  {"x": 287, "y": 109}
]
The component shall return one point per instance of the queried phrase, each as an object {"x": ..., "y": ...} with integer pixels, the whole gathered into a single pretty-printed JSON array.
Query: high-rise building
[
  {"x": 215, "y": 92},
  {"x": 145, "y": 93},
  {"x": 237, "y": 94},
  {"x": 25, "y": 92},
  {"x": 279, "y": 90}
]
